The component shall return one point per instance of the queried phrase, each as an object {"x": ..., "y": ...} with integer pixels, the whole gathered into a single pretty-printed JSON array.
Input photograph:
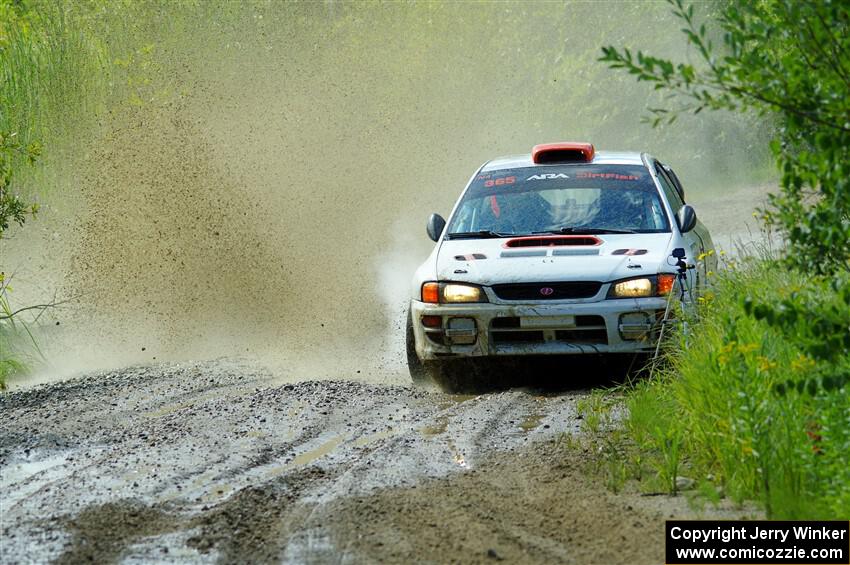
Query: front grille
[
  {"x": 597, "y": 336},
  {"x": 518, "y": 336},
  {"x": 546, "y": 291}
]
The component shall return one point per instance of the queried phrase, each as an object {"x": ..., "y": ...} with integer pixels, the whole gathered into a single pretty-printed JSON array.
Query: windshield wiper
[
  {"x": 585, "y": 230},
  {"x": 480, "y": 234}
]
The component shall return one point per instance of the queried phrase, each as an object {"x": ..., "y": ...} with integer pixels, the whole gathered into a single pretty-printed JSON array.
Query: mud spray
[{"x": 264, "y": 192}]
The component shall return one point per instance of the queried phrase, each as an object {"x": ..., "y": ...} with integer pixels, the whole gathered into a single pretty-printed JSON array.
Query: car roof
[{"x": 599, "y": 158}]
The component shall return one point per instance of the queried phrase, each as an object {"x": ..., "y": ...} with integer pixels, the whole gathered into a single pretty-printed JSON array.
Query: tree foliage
[
  {"x": 13, "y": 208},
  {"x": 790, "y": 59}
]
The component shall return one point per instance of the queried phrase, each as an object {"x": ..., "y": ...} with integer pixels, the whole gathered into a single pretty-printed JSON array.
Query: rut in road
[{"x": 217, "y": 461}]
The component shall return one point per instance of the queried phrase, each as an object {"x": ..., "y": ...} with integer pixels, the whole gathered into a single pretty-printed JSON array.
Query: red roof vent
[{"x": 566, "y": 152}]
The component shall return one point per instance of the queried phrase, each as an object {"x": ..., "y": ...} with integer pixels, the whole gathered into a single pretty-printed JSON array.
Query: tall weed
[
  {"x": 53, "y": 73},
  {"x": 19, "y": 349},
  {"x": 52, "y": 80},
  {"x": 757, "y": 413}
]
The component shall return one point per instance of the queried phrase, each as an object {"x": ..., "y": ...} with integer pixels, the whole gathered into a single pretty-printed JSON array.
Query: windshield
[{"x": 560, "y": 199}]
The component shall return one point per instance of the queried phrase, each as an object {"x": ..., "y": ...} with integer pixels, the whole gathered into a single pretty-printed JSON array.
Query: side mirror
[
  {"x": 435, "y": 227},
  {"x": 686, "y": 217}
]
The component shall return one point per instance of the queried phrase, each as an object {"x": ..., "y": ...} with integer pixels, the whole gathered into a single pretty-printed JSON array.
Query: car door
[
  {"x": 697, "y": 238},
  {"x": 707, "y": 245}
]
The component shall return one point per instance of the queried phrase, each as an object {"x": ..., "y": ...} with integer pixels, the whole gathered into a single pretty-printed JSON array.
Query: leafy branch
[
  {"x": 12, "y": 207},
  {"x": 791, "y": 60}
]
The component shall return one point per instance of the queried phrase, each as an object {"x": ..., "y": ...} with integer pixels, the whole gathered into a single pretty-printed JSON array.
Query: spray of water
[{"x": 264, "y": 192}]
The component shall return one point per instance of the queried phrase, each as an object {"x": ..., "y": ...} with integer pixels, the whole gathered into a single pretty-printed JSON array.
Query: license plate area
[{"x": 547, "y": 322}]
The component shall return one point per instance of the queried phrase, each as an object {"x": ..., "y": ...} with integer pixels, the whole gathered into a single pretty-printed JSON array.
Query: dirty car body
[{"x": 563, "y": 251}]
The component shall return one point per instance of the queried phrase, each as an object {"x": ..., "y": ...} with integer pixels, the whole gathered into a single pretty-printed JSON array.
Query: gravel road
[{"x": 219, "y": 462}]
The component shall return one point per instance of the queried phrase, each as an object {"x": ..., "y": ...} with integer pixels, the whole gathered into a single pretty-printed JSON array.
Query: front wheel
[
  {"x": 417, "y": 369},
  {"x": 450, "y": 375},
  {"x": 457, "y": 376}
]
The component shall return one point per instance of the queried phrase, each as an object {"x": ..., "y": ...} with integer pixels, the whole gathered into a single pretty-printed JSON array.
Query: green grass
[
  {"x": 754, "y": 407},
  {"x": 12, "y": 358},
  {"x": 52, "y": 73},
  {"x": 19, "y": 349}
]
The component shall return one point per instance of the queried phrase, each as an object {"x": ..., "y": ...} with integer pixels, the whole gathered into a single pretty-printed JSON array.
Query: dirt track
[{"x": 216, "y": 461}]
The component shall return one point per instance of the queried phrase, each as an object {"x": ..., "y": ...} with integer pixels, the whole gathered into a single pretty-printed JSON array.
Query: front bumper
[{"x": 606, "y": 326}]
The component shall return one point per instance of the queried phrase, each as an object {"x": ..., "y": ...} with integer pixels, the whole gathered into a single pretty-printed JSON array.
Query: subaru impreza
[{"x": 566, "y": 250}]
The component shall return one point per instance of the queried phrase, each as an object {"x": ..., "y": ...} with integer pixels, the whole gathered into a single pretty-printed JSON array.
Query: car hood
[{"x": 490, "y": 261}]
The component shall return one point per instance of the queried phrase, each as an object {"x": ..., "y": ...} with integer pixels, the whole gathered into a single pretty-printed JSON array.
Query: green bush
[
  {"x": 763, "y": 409},
  {"x": 758, "y": 394}
]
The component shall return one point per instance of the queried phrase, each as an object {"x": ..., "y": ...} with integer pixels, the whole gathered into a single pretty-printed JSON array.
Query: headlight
[
  {"x": 659, "y": 285},
  {"x": 451, "y": 293},
  {"x": 634, "y": 288},
  {"x": 461, "y": 293}
]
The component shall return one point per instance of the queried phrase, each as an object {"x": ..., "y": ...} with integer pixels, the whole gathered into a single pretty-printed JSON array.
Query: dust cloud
[{"x": 262, "y": 188}]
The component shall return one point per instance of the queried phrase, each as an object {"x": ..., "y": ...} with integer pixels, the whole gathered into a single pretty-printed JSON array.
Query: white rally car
[{"x": 563, "y": 251}]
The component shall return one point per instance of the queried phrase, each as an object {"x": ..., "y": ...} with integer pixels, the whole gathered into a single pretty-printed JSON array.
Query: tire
[
  {"x": 418, "y": 373},
  {"x": 450, "y": 375},
  {"x": 456, "y": 376}
]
